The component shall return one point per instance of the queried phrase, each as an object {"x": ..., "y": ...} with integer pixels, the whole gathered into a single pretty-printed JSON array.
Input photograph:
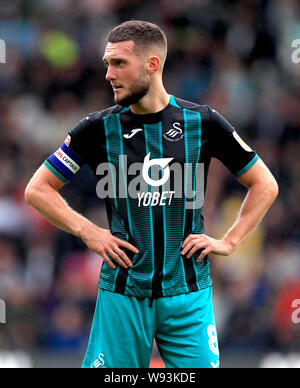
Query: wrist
[
  {"x": 82, "y": 229},
  {"x": 230, "y": 242}
]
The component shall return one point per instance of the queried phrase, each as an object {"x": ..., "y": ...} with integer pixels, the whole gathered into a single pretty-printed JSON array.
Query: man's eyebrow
[{"x": 115, "y": 59}]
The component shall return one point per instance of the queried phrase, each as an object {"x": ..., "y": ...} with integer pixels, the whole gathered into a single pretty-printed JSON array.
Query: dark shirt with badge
[{"x": 152, "y": 172}]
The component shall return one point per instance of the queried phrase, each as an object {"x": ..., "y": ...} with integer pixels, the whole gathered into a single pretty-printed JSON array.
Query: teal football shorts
[{"x": 124, "y": 328}]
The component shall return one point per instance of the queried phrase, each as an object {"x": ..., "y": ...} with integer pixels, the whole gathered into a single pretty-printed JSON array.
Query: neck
[{"x": 155, "y": 100}]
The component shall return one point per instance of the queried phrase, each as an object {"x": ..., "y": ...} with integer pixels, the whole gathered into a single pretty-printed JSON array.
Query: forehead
[{"x": 119, "y": 49}]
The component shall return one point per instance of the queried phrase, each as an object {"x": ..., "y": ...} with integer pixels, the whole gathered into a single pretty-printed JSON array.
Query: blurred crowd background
[{"x": 234, "y": 55}]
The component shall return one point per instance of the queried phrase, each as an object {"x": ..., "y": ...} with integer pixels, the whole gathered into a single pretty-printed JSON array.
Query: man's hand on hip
[
  {"x": 195, "y": 242},
  {"x": 104, "y": 243}
]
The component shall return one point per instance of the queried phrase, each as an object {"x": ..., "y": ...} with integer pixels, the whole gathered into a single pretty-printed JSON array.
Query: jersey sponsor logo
[
  {"x": 155, "y": 198},
  {"x": 163, "y": 163},
  {"x": 132, "y": 133},
  {"x": 241, "y": 142},
  {"x": 174, "y": 134},
  {"x": 67, "y": 161},
  {"x": 143, "y": 181}
]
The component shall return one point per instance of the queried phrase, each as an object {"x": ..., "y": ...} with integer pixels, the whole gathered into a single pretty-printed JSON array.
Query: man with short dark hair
[{"x": 153, "y": 151}]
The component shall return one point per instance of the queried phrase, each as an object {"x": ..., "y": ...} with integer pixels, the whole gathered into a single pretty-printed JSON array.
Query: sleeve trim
[
  {"x": 247, "y": 167},
  {"x": 55, "y": 172}
]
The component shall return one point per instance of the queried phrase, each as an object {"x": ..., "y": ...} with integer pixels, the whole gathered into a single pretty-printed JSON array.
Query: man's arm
[
  {"x": 42, "y": 193},
  {"x": 263, "y": 190}
]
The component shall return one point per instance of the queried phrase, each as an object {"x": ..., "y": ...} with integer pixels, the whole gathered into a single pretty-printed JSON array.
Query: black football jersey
[{"x": 152, "y": 172}]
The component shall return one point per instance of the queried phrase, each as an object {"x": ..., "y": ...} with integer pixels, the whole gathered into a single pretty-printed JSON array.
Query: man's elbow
[
  {"x": 273, "y": 190},
  {"x": 30, "y": 194}
]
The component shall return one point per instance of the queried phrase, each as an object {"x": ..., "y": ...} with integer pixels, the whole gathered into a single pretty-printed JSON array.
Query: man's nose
[{"x": 110, "y": 74}]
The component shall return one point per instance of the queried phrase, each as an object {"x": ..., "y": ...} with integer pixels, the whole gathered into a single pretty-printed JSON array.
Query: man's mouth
[{"x": 116, "y": 87}]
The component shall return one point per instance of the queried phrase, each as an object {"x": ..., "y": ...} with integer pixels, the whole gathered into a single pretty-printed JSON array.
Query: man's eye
[{"x": 115, "y": 63}]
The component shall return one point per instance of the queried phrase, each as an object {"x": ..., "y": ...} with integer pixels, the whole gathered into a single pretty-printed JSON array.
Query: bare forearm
[
  {"x": 263, "y": 190},
  {"x": 42, "y": 193},
  {"x": 256, "y": 204},
  {"x": 55, "y": 209}
]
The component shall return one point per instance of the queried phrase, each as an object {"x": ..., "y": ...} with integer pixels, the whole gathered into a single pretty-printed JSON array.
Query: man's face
[{"x": 126, "y": 73}]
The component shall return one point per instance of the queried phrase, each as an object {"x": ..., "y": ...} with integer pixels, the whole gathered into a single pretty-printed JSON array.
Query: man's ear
[{"x": 153, "y": 64}]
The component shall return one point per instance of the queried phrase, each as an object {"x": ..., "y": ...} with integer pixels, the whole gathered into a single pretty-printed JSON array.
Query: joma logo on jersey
[{"x": 155, "y": 182}]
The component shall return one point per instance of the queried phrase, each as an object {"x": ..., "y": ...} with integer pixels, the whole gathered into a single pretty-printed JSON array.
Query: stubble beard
[{"x": 135, "y": 94}]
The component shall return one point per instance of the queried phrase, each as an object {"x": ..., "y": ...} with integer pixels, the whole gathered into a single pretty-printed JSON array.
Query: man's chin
[
  {"x": 131, "y": 99},
  {"x": 119, "y": 101},
  {"x": 125, "y": 101}
]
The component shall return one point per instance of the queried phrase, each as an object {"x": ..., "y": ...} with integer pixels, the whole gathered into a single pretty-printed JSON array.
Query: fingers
[
  {"x": 187, "y": 246},
  {"x": 107, "y": 260},
  {"x": 195, "y": 248},
  {"x": 126, "y": 245},
  {"x": 203, "y": 254},
  {"x": 206, "y": 245},
  {"x": 194, "y": 243},
  {"x": 118, "y": 255},
  {"x": 190, "y": 238},
  {"x": 102, "y": 242},
  {"x": 122, "y": 255}
]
